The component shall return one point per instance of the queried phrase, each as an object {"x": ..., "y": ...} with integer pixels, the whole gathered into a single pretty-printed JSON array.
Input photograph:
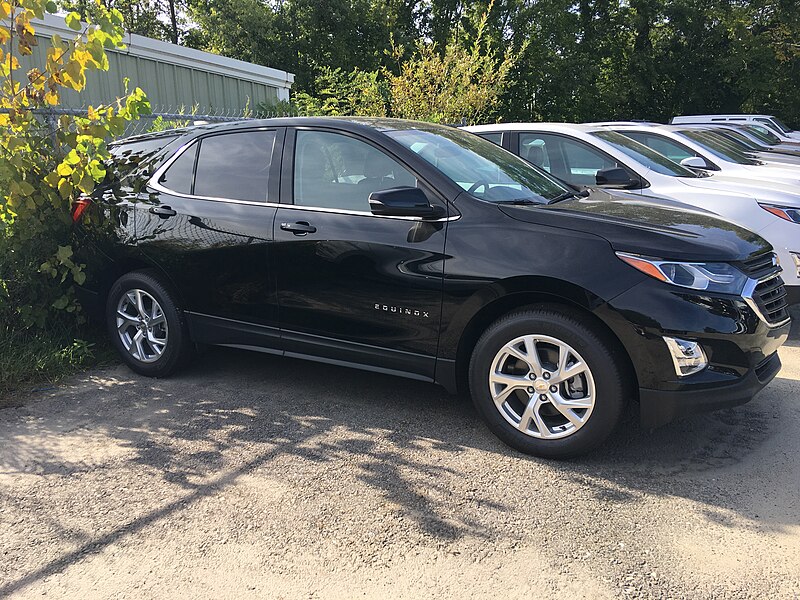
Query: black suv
[{"x": 424, "y": 251}]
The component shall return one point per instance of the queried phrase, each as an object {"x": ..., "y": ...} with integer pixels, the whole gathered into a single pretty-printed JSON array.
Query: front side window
[
  {"x": 481, "y": 168},
  {"x": 332, "y": 170}
]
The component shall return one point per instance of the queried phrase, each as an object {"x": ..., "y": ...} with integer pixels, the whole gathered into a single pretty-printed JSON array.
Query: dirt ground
[{"x": 253, "y": 476}]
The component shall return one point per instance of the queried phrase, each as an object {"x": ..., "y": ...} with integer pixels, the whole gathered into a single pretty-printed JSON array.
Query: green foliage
[
  {"x": 345, "y": 93},
  {"x": 44, "y": 166},
  {"x": 575, "y": 60},
  {"x": 454, "y": 85},
  {"x": 33, "y": 356}
]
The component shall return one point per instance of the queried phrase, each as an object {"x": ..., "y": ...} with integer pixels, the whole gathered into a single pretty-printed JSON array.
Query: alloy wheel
[
  {"x": 142, "y": 326},
  {"x": 542, "y": 386}
]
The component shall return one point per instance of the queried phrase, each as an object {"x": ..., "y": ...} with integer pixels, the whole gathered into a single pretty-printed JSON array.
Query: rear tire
[
  {"x": 146, "y": 326},
  {"x": 548, "y": 382}
]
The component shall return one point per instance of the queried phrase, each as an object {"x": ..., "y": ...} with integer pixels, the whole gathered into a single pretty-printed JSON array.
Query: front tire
[
  {"x": 146, "y": 326},
  {"x": 548, "y": 382}
]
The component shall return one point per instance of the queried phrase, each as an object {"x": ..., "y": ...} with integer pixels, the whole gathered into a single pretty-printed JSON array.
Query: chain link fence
[{"x": 161, "y": 119}]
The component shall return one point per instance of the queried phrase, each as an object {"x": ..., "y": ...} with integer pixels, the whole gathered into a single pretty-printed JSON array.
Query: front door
[{"x": 354, "y": 287}]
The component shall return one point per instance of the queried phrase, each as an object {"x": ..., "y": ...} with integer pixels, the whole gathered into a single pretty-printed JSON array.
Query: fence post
[{"x": 52, "y": 125}]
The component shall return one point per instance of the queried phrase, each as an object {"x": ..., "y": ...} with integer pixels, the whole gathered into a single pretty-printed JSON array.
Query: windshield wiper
[
  {"x": 567, "y": 196},
  {"x": 518, "y": 202}
]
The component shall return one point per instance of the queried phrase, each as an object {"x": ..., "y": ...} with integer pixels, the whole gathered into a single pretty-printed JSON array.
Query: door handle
[
  {"x": 163, "y": 211},
  {"x": 299, "y": 228}
]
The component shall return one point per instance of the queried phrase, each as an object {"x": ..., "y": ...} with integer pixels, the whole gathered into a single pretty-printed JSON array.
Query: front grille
[
  {"x": 767, "y": 292},
  {"x": 759, "y": 267}
]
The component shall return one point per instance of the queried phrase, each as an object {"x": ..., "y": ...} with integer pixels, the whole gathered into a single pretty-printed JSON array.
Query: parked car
[
  {"x": 755, "y": 135},
  {"x": 695, "y": 150},
  {"x": 766, "y": 135},
  {"x": 424, "y": 251},
  {"x": 732, "y": 141},
  {"x": 593, "y": 155},
  {"x": 773, "y": 123}
]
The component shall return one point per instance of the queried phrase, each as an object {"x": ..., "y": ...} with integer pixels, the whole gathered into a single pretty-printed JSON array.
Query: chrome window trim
[
  {"x": 154, "y": 184},
  {"x": 747, "y": 295}
]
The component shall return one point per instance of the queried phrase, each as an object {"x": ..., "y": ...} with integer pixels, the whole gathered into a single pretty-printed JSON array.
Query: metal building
[{"x": 173, "y": 77}]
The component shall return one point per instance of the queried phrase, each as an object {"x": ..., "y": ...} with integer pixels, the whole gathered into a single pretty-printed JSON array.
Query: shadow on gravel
[{"x": 395, "y": 431}]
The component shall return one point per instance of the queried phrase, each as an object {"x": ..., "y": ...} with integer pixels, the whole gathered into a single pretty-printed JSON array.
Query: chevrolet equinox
[{"x": 424, "y": 251}]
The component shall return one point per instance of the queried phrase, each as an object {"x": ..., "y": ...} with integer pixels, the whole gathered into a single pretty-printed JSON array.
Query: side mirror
[
  {"x": 694, "y": 162},
  {"x": 616, "y": 178},
  {"x": 403, "y": 202}
]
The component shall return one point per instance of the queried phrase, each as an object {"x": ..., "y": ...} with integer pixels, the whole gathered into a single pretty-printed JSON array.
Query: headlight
[
  {"x": 784, "y": 212},
  {"x": 709, "y": 276},
  {"x": 796, "y": 258}
]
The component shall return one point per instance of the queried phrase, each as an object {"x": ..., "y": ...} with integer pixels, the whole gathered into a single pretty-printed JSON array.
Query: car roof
[
  {"x": 526, "y": 127},
  {"x": 382, "y": 124}
]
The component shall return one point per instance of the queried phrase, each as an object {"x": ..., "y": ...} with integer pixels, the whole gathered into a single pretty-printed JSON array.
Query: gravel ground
[{"x": 253, "y": 476}]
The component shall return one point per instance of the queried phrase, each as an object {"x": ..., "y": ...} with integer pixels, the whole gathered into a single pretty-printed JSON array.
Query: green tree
[{"x": 41, "y": 169}]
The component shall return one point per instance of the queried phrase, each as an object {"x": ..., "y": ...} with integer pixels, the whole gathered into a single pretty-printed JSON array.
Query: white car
[
  {"x": 691, "y": 148},
  {"x": 584, "y": 155},
  {"x": 773, "y": 123}
]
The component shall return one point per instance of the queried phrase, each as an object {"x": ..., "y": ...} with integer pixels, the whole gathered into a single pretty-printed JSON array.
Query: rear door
[
  {"x": 354, "y": 287},
  {"x": 207, "y": 222}
]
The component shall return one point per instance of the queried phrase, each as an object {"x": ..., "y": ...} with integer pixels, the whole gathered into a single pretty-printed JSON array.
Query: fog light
[
  {"x": 688, "y": 357},
  {"x": 796, "y": 257}
]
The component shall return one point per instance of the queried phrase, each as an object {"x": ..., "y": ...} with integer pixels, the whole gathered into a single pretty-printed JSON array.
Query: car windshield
[
  {"x": 723, "y": 137},
  {"x": 738, "y": 136},
  {"x": 763, "y": 134},
  {"x": 644, "y": 155},
  {"x": 781, "y": 125},
  {"x": 718, "y": 148},
  {"x": 480, "y": 167}
]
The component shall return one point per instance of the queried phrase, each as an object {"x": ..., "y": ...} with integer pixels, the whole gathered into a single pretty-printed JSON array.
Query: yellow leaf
[
  {"x": 65, "y": 188},
  {"x": 5, "y": 36},
  {"x": 51, "y": 98},
  {"x": 5, "y": 10}
]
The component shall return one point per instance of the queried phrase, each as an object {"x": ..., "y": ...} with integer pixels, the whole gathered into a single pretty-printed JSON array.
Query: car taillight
[{"x": 80, "y": 205}]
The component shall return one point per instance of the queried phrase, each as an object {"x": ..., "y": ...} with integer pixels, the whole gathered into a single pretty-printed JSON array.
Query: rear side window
[
  {"x": 231, "y": 166},
  {"x": 495, "y": 138},
  {"x": 178, "y": 177},
  {"x": 235, "y": 166}
]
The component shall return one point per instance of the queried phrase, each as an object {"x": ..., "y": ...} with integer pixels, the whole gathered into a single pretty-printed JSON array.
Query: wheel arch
[{"x": 522, "y": 293}]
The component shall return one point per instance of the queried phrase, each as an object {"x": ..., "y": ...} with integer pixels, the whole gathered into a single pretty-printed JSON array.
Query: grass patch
[{"x": 32, "y": 358}]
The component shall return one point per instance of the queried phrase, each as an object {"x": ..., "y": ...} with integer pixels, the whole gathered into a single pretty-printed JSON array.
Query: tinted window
[
  {"x": 337, "y": 171},
  {"x": 644, "y": 155},
  {"x": 495, "y": 138},
  {"x": 178, "y": 177},
  {"x": 478, "y": 166},
  {"x": 235, "y": 166},
  {"x": 134, "y": 156}
]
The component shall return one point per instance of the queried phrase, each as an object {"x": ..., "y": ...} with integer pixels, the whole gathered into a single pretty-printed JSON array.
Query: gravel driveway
[{"x": 253, "y": 476}]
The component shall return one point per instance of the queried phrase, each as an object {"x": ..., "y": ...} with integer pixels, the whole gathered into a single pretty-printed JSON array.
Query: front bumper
[
  {"x": 659, "y": 407},
  {"x": 740, "y": 347}
]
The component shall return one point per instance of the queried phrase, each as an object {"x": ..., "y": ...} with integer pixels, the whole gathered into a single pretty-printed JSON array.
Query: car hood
[
  {"x": 770, "y": 191},
  {"x": 647, "y": 225},
  {"x": 773, "y": 172}
]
